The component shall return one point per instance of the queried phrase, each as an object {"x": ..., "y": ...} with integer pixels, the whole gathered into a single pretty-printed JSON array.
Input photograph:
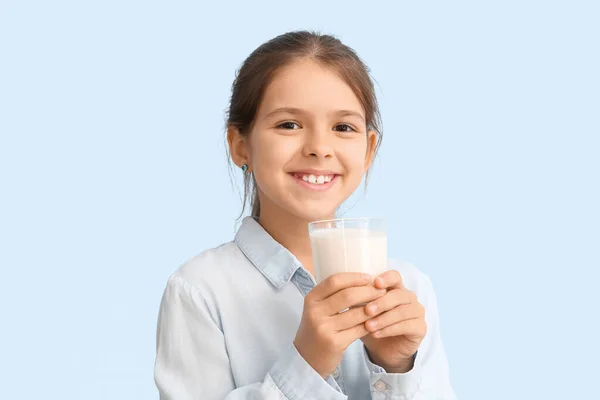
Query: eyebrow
[{"x": 294, "y": 110}]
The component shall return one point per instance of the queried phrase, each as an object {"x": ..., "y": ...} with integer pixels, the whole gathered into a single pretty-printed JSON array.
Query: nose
[{"x": 317, "y": 144}]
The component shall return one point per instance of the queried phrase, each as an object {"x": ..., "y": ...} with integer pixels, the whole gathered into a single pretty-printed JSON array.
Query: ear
[
  {"x": 371, "y": 146},
  {"x": 238, "y": 147}
]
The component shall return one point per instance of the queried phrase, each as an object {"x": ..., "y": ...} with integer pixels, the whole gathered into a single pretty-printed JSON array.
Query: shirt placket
[{"x": 303, "y": 281}]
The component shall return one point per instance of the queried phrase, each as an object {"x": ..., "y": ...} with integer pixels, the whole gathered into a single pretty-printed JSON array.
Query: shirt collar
[{"x": 273, "y": 260}]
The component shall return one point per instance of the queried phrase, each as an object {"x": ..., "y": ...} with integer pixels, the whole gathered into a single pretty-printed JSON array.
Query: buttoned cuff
[
  {"x": 393, "y": 385},
  {"x": 297, "y": 380}
]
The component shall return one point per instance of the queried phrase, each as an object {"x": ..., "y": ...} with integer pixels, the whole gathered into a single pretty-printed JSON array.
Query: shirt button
[
  {"x": 336, "y": 373},
  {"x": 380, "y": 386}
]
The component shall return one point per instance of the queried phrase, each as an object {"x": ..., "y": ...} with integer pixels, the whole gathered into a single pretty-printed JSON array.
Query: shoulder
[
  {"x": 211, "y": 269},
  {"x": 210, "y": 265},
  {"x": 200, "y": 281}
]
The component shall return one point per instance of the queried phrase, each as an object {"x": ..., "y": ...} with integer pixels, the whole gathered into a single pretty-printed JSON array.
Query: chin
[{"x": 315, "y": 213}]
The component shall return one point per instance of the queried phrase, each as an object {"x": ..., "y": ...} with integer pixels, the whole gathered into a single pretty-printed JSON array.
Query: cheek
[
  {"x": 354, "y": 158},
  {"x": 269, "y": 156}
]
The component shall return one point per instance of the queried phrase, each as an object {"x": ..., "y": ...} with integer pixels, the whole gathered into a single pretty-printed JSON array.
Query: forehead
[{"x": 310, "y": 86}]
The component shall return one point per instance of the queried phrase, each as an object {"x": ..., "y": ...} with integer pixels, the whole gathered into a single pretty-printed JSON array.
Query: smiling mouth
[{"x": 314, "y": 179}]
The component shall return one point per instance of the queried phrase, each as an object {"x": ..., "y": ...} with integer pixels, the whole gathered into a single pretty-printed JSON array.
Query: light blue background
[{"x": 113, "y": 173}]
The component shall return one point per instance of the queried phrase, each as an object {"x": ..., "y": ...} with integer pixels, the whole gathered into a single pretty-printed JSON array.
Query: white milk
[{"x": 348, "y": 250}]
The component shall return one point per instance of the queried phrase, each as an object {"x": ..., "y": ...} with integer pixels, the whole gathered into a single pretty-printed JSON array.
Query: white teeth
[{"x": 315, "y": 179}]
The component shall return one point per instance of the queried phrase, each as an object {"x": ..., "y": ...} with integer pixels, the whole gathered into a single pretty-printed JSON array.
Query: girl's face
[{"x": 309, "y": 147}]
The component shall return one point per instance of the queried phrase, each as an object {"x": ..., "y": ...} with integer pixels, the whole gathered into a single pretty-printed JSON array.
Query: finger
[
  {"x": 389, "y": 279},
  {"x": 348, "y": 319},
  {"x": 411, "y": 328},
  {"x": 392, "y": 299},
  {"x": 401, "y": 313},
  {"x": 350, "y": 297},
  {"x": 337, "y": 282},
  {"x": 352, "y": 334}
]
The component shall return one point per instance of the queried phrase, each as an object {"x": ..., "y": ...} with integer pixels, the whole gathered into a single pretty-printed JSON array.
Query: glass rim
[{"x": 346, "y": 219}]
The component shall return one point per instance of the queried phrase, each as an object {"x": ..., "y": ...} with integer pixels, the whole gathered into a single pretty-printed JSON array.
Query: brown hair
[{"x": 258, "y": 69}]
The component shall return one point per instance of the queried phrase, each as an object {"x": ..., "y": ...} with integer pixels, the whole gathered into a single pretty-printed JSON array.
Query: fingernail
[
  {"x": 379, "y": 281},
  {"x": 367, "y": 277},
  {"x": 377, "y": 334},
  {"x": 373, "y": 324},
  {"x": 371, "y": 308}
]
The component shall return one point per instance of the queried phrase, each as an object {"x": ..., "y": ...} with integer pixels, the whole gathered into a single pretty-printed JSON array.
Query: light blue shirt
[{"x": 228, "y": 318}]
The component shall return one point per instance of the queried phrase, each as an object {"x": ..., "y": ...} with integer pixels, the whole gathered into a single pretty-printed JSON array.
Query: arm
[
  {"x": 429, "y": 376},
  {"x": 192, "y": 361}
]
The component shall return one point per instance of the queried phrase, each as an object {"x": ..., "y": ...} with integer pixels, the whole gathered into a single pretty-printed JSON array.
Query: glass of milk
[{"x": 348, "y": 245}]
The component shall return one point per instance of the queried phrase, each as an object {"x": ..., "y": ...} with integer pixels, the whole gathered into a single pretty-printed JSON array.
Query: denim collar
[{"x": 273, "y": 260}]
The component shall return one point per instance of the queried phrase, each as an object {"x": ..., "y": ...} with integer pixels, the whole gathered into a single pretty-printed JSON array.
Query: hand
[
  {"x": 396, "y": 327},
  {"x": 325, "y": 332}
]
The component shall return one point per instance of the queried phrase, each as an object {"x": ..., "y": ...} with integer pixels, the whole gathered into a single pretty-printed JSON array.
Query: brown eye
[
  {"x": 345, "y": 128},
  {"x": 287, "y": 125}
]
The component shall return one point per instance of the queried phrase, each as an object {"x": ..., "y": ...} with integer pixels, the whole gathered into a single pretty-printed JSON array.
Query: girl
[{"x": 245, "y": 320}]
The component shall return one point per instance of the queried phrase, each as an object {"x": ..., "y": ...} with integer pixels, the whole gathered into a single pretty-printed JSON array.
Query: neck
[{"x": 290, "y": 231}]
